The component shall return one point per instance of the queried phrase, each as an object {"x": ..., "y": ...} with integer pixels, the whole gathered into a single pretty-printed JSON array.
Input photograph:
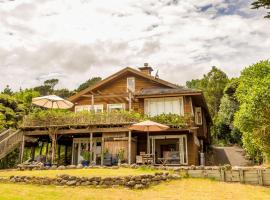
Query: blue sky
[{"x": 76, "y": 40}]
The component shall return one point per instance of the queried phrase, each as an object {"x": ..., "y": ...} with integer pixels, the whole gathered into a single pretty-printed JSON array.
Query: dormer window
[{"x": 131, "y": 84}]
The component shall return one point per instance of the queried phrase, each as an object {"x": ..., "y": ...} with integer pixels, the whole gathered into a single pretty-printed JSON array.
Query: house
[{"x": 135, "y": 90}]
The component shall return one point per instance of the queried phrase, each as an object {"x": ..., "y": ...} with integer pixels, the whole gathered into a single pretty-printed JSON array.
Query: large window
[
  {"x": 116, "y": 107},
  {"x": 198, "y": 115},
  {"x": 158, "y": 106},
  {"x": 131, "y": 84},
  {"x": 97, "y": 108}
]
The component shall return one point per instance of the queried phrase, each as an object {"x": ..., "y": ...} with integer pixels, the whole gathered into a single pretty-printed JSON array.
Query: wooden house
[{"x": 136, "y": 90}]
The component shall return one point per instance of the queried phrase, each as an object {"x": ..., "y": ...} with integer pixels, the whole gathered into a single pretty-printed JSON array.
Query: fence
[{"x": 255, "y": 176}]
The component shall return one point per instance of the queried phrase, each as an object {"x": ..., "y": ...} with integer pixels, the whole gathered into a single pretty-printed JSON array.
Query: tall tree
[
  {"x": 7, "y": 90},
  {"x": 253, "y": 117},
  {"x": 212, "y": 84},
  {"x": 88, "y": 83},
  {"x": 262, "y": 4}
]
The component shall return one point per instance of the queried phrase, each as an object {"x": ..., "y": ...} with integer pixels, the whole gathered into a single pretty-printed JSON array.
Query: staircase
[{"x": 9, "y": 140}]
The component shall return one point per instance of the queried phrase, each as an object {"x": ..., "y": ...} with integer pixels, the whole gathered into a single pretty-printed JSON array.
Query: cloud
[{"x": 76, "y": 40}]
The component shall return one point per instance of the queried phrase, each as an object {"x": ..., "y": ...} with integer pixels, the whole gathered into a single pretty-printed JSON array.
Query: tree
[
  {"x": 88, "y": 83},
  {"x": 224, "y": 128},
  {"x": 7, "y": 90},
  {"x": 51, "y": 83},
  {"x": 253, "y": 116},
  {"x": 262, "y": 4},
  {"x": 212, "y": 84},
  {"x": 47, "y": 88}
]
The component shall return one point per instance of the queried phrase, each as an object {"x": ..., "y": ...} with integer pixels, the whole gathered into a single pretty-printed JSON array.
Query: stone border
[{"x": 132, "y": 182}]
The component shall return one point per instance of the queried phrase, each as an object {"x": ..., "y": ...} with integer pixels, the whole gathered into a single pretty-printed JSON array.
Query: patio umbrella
[
  {"x": 52, "y": 101},
  {"x": 148, "y": 126}
]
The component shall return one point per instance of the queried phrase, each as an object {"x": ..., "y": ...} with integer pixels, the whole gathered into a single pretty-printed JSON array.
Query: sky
[{"x": 76, "y": 40}]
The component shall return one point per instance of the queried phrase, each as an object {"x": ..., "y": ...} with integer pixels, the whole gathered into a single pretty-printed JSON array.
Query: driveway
[{"x": 230, "y": 155}]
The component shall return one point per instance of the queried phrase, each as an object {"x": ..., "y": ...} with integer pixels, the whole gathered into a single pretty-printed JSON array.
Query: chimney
[{"x": 146, "y": 69}]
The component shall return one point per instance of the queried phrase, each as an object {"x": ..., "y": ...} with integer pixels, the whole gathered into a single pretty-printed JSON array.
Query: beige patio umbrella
[
  {"x": 148, "y": 126},
  {"x": 52, "y": 101}
]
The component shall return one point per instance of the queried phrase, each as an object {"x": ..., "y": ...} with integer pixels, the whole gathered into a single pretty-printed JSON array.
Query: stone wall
[{"x": 136, "y": 182}]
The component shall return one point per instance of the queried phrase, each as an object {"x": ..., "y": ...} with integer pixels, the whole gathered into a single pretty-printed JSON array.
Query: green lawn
[
  {"x": 80, "y": 172},
  {"x": 185, "y": 189}
]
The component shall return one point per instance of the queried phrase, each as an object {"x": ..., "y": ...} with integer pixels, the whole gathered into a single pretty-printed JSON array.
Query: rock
[
  {"x": 53, "y": 167},
  {"x": 156, "y": 178},
  {"x": 85, "y": 183},
  {"x": 70, "y": 183},
  {"x": 79, "y": 166},
  {"x": 139, "y": 186},
  {"x": 131, "y": 183},
  {"x": 71, "y": 167},
  {"x": 71, "y": 178},
  {"x": 61, "y": 167}
]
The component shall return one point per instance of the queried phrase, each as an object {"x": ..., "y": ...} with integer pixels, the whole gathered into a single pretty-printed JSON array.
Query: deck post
[
  {"x": 102, "y": 150},
  {"x": 91, "y": 148},
  {"x": 129, "y": 147},
  {"x": 148, "y": 143},
  {"x": 92, "y": 102},
  {"x": 129, "y": 101},
  {"x": 22, "y": 150}
]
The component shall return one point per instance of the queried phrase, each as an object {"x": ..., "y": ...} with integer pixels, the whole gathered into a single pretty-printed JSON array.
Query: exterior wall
[
  {"x": 193, "y": 151},
  {"x": 114, "y": 146}
]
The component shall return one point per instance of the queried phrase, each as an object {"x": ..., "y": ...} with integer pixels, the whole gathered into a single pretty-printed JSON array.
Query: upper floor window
[
  {"x": 158, "y": 106},
  {"x": 116, "y": 107},
  {"x": 131, "y": 84},
  {"x": 198, "y": 115},
  {"x": 97, "y": 108}
]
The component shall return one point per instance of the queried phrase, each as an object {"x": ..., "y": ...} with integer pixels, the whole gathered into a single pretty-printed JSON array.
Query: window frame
[
  {"x": 123, "y": 106},
  {"x": 134, "y": 87},
  {"x": 198, "y": 109},
  {"x": 149, "y": 101},
  {"x": 88, "y": 107}
]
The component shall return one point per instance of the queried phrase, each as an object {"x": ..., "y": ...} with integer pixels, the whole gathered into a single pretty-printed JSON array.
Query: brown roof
[
  {"x": 112, "y": 77},
  {"x": 160, "y": 91}
]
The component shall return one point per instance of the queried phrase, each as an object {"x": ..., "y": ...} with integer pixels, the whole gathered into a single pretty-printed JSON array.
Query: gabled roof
[
  {"x": 160, "y": 91},
  {"x": 117, "y": 74}
]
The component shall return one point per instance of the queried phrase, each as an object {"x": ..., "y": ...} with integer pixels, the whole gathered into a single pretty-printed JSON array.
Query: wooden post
[
  {"x": 129, "y": 147},
  {"x": 72, "y": 158},
  {"x": 47, "y": 150},
  {"x": 241, "y": 176},
  {"x": 222, "y": 175},
  {"x": 260, "y": 176},
  {"x": 41, "y": 148},
  {"x": 92, "y": 102},
  {"x": 59, "y": 153},
  {"x": 66, "y": 154},
  {"x": 148, "y": 143},
  {"x": 91, "y": 148},
  {"x": 22, "y": 149},
  {"x": 33, "y": 151},
  {"x": 102, "y": 150},
  {"x": 129, "y": 101}
]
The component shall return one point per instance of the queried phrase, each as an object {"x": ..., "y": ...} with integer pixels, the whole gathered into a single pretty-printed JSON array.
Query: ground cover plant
[
  {"x": 102, "y": 172},
  {"x": 184, "y": 189}
]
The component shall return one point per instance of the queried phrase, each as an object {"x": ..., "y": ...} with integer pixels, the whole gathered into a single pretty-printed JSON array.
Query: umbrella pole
[{"x": 148, "y": 143}]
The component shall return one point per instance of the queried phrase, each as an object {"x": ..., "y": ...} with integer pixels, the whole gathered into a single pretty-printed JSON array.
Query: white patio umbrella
[
  {"x": 52, "y": 101},
  {"x": 148, "y": 126}
]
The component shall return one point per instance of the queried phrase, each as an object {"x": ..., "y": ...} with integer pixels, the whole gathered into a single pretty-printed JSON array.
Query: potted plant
[
  {"x": 121, "y": 156},
  {"x": 86, "y": 158}
]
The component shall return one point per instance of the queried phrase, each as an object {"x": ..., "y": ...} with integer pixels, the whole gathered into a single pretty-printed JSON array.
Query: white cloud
[{"x": 75, "y": 40}]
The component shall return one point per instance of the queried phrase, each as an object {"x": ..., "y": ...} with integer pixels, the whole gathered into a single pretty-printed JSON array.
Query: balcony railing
[{"x": 51, "y": 118}]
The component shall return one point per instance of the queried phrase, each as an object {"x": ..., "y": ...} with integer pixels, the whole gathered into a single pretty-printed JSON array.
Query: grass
[
  {"x": 79, "y": 172},
  {"x": 185, "y": 189}
]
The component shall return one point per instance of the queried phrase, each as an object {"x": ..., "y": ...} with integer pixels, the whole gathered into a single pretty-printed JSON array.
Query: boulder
[
  {"x": 131, "y": 184},
  {"x": 61, "y": 167},
  {"x": 139, "y": 186},
  {"x": 79, "y": 166},
  {"x": 70, "y": 183},
  {"x": 53, "y": 167}
]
